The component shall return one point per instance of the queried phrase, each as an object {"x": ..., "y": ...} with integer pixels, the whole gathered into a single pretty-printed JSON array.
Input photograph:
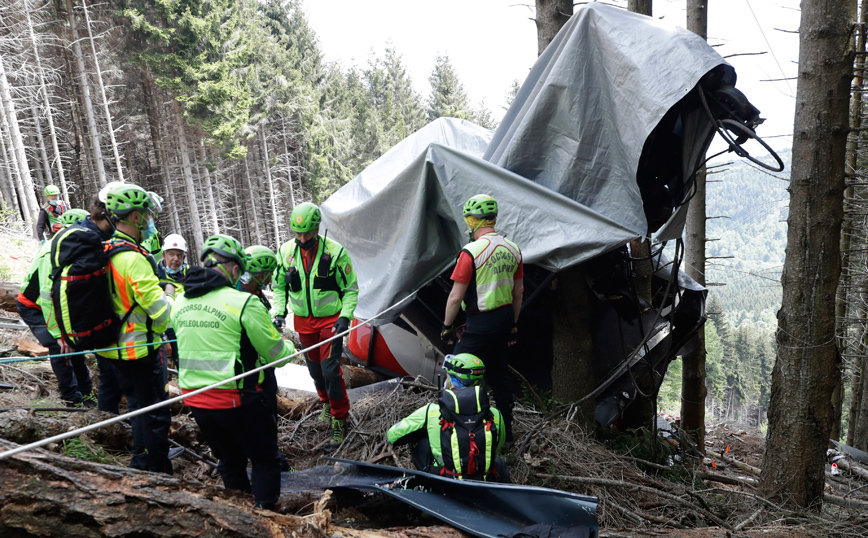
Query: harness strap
[{"x": 95, "y": 274}]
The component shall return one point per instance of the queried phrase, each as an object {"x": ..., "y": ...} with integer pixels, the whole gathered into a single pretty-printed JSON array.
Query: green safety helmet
[
  {"x": 225, "y": 245},
  {"x": 51, "y": 190},
  {"x": 157, "y": 200},
  {"x": 71, "y": 216},
  {"x": 305, "y": 217},
  {"x": 260, "y": 259},
  {"x": 481, "y": 206},
  {"x": 468, "y": 368},
  {"x": 126, "y": 198}
]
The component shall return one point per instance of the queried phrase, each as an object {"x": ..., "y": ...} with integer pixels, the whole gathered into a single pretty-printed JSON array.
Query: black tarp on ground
[{"x": 483, "y": 509}]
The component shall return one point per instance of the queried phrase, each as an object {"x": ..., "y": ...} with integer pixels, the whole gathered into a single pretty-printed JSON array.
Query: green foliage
[
  {"x": 75, "y": 447},
  {"x": 447, "y": 98}
]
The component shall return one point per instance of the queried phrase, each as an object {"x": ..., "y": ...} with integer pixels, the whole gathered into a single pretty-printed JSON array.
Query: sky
[{"x": 491, "y": 43}]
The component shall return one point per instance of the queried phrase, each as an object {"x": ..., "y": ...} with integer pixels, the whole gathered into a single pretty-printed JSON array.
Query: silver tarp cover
[{"x": 572, "y": 140}]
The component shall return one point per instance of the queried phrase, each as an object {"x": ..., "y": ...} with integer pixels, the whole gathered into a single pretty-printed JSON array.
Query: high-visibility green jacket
[
  {"x": 428, "y": 421},
  {"x": 495, "y": 262},
  {"x": 222, "y": 332},
  {"x": 134, "y": 284},
  {"x": 321, "y": 291},
  {"x": 36, "y": 289}
]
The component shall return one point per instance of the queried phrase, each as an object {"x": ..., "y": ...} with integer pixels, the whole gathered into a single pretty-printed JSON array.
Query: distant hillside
[{"x": 753, "y": 206}]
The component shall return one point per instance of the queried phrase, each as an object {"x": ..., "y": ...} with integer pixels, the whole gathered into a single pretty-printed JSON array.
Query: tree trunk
[
  {"x": 6, "y": 179},
  {"x": 209, "y": 188},
  {"x": 288, "y": 167},
  {"x": 108, "y": 114},
  {"x": 641, "y": 6},
  {"x": 85, "y": 93},
  {"x": 572, "y": 370},
  {"x": 551, "y": 15},
  {"x": 806, "y": 370},
  {"x": 847, "y": 274},
  {"x": 693, "y": 390},
  {"x": 272, "y": 202},
  {"x": 82, "y": 152},
  {"x": 860, "y": 430},
  {"x": 148, "y": 89},
  {"x": 253, "y": 204},
  {"x": 194, "y": 209},
  {"x": 46, "y": 103},
  {"x": 9, "y": 174},
  {"x": 42, "y": 162},
  {"x": 24, "y": 180}
]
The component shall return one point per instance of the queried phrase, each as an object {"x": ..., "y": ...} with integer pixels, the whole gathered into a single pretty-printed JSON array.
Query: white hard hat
[
  {"x": 174, "y": 241},
  {"x": 103, "y": 192}
]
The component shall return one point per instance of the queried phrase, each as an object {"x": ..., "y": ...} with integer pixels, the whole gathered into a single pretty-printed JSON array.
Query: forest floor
[{"x": 641, "y": 492}]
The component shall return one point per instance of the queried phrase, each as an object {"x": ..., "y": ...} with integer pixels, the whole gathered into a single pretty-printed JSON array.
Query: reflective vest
[
  {"x": 134, "y": 284},
  {"x": 36, "y": 289},
  {"x": 329, "y": 287},
  {"x": 221, "y": 334},
  {"x": 54, "y": 213},
  {"x": 495, "y": 262}
]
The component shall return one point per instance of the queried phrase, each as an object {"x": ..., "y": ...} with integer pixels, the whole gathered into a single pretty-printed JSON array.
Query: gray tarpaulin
[{"x": 572, "y": 140}]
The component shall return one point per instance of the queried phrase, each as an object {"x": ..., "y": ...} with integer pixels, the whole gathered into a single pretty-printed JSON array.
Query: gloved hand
[
  {"x": 341, "y": 325},
  {"x": 279, "y": 322},
  {"x": 56, "y": 227},
  {"x": 447, "y": 334},
  {"x": 513, "y": 337}
]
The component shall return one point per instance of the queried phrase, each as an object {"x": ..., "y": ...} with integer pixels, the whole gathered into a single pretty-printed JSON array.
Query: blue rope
[{"x": 47, "y": 357}]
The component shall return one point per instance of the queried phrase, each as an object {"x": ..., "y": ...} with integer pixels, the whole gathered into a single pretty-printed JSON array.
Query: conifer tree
[{"x": 447, "y": 98}]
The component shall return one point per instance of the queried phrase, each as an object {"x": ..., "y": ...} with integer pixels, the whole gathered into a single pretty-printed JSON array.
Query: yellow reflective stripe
[
  {"x": 489, "y": 449},
  {"x": 326, "y": 299},
  {"x": 277, "y": 350},
  {"x": 206, "y": 365},
  {"x": 160, "y": 310},
  {"x": 456, "y": 454}
]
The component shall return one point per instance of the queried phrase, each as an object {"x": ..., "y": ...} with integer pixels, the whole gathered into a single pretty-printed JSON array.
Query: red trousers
[{"x": 324, "y": 365}]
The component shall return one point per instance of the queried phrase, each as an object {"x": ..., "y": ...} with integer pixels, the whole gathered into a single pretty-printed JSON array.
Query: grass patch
[{"x": 76, "y": 447}]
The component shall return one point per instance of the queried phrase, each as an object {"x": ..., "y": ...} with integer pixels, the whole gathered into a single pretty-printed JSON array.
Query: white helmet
[
  {"x": 174, "y": 241},
  {"x": 103, "y": 192}
]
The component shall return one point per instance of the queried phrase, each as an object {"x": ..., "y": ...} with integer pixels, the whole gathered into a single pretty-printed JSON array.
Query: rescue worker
[
  {"x": 153, "y": 244},
  {"x": 98, "y": 220},
  {"x": 37, "y": 311},
  {"x": 260, "y": 263},
  {"x": 315, "y": 277},
  {"x": 48, "y": 220},
  {"x": 436, "y": 432},
  {"x": 144, "y": 310},
  {"x": 172, "y": 269},
  {"x": 488, "y": 284},
  {"x": 223, "y": 332}
]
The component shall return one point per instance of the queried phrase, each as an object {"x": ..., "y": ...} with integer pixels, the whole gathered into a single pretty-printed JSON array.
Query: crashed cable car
[{"x": 599, "y": 149}]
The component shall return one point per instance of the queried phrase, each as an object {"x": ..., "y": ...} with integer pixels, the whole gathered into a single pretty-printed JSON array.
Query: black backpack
[
  {"x": 80, "y": 292},
  {"x": 467, "y": 420}
]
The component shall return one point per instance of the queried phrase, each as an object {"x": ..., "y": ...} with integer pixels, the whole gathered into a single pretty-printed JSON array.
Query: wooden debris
[{"x": 30, "y": 347}]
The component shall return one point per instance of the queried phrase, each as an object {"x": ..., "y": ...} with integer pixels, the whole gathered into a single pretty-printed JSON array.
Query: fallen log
[
  {"x": 853, "y": 469},
  {"x": 22, "y": 426},
  {"x": 46, "y": 494},
  {"x": 743, "y": 466},
  {"x": 30, "y": 348},
  {"x": 9, "y": 295}
]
